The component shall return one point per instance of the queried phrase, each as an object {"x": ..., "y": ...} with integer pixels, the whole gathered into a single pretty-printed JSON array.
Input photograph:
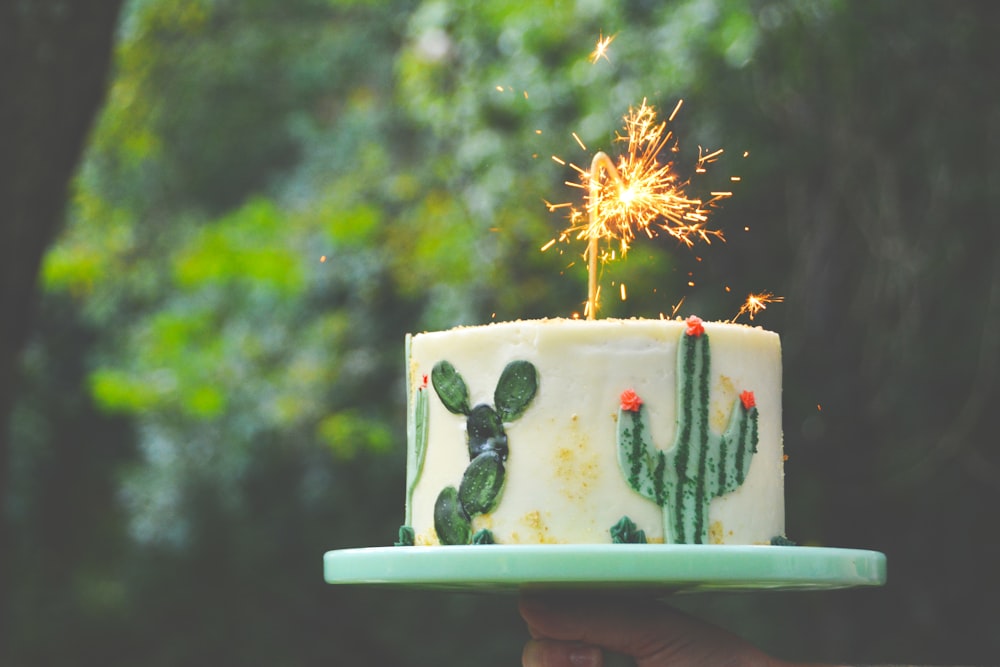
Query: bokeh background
[{"x": 220, "y": 218}]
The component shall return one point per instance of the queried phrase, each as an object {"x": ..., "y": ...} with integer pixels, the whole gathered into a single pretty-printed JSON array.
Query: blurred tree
[{"x": 54, "y": 61}]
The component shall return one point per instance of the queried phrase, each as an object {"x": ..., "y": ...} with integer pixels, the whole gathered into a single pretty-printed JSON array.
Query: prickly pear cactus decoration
[
  {"x": 483, "y": 480},
  {"x": 700, "y": 465}
]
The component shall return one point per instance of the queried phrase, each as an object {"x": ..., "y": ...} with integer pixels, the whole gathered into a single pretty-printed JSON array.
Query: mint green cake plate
[{"x": 649, "y": 569}]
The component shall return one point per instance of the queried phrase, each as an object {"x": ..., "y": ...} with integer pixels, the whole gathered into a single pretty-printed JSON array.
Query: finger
[
  {"x": 640, "y": 628},
  {"x": 633, "y": 627},
  {"x": 549, "y": 653}
]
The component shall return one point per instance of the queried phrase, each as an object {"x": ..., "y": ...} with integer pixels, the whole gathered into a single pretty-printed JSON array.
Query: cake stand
[
  {"x": 656, "y": 570},
  {"x": 649, "y": 570}
]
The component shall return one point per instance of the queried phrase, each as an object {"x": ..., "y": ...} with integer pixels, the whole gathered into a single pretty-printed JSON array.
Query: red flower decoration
[
  {"x": 630, "y": 401},
  {"x": 748, "y": 400},
  {"x": 424, "y": 385},
  {"x": 695, "y": 327}
]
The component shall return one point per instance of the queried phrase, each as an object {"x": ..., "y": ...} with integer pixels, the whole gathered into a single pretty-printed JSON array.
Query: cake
[{"x": 564, "y": 431}]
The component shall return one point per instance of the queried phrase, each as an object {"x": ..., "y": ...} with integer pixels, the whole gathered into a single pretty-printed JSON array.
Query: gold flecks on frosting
[
  {"x": 575, "y": 470},
  {"x": 537, "y": 531},
  {"x": 716, "y": 532},
  {"x": 427, "y": 539}
]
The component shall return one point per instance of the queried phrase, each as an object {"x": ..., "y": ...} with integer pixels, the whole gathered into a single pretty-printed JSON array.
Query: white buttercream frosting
[{"x": 563, "y": 480}]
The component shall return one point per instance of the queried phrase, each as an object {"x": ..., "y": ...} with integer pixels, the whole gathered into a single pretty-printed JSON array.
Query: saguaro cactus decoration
[
  {"x": 700, "y": 465},
  {"x": 416, "y": 435},
  {"x": 483, "y": 480}
]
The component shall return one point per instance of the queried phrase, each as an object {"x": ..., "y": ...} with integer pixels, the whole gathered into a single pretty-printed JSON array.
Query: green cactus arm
[
  {"x": 641, "y": 463},
  {"x": 729, "y": 455},
  {"x": 735, "y": 450},
  {"x": 633, "y": 444},
  {"x": 416, "y": 446}
]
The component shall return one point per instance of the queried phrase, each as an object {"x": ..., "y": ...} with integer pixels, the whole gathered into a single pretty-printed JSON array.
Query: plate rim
[{"x": 655, "y": 567}]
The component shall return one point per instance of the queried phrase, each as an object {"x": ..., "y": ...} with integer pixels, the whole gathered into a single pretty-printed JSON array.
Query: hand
[{"x": 571, "y": 632}]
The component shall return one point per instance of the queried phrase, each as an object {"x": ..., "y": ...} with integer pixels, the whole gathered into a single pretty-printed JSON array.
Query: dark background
[{"x": 220, "y": 218}]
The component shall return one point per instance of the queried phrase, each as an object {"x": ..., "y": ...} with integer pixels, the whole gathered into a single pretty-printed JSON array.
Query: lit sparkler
[
  {"x": 756, "y": 303},
  {"x": 637, "y": 195}
]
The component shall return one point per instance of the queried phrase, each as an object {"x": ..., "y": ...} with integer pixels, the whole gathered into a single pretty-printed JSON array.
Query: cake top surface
[{"x": 602, "y": 326}]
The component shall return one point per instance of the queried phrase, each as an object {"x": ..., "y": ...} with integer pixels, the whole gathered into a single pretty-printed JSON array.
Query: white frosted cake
[{"x": 570, "y": 431}]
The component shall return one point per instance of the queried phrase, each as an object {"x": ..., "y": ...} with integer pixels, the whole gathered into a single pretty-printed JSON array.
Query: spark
[
  {"x": 601, "y": 50},
  {"x": 756, "y": 303}
]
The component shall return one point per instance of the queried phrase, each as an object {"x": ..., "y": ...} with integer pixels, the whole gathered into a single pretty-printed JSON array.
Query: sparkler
[
  {"x": 638, "y": 194},
  {"x": 756, "y": 303}
]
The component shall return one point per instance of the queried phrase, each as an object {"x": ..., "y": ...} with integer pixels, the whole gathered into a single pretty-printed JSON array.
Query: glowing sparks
[
  {"x": 601, "y": 50},
  {"x": 636, "y": 195},
  {"x": 756, "y": 303},
  {"x": 639, "y": 194}
]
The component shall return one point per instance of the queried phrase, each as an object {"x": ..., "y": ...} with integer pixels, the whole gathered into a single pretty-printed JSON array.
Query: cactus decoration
[
  {"x": 700, "y": 465},
  {"x": 483, "y": 480},
  {"x": 417, "y": 437},
  {"x": 626, "y": 532}
]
